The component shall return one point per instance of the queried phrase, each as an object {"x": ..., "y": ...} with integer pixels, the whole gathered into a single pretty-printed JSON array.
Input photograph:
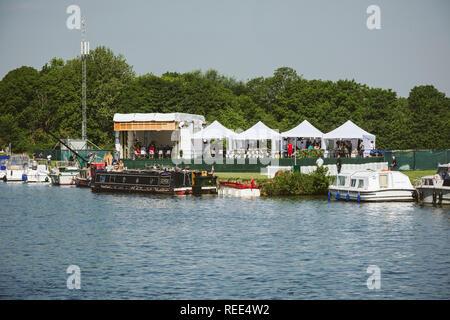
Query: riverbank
[{"x": 275, "y": 186}]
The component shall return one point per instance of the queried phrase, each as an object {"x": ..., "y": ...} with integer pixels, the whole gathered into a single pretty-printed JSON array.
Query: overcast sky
[{"x": 325, "y": 39}]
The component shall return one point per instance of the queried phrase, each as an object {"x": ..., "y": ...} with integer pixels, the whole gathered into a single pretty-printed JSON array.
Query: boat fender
[
  {"x": 337, "y": 196},
  {"x": 24, "y": 177},
  {"x": 90, "y": 183},
  {"x": 358, "y": 198},
  {"x": 329, "y": 196},
  {"x": 440, "y": 197},
  {"x": 46, "y": 179},
  {"x": 415, "y": 195},
  {"x": 420, "y": 195},
  {"x": 347, "y": 197},
  {"x": 434, "y": 197}
]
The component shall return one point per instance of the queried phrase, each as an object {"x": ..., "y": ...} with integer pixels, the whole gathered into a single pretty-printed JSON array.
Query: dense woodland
[{"x": 34, "y": 101}]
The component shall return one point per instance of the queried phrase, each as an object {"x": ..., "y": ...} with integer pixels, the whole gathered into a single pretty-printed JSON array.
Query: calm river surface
[{"x": 159, "y": 247}]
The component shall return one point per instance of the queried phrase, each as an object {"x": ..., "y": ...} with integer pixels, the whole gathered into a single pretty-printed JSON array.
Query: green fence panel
[
  {"x": 430, "y": 159},
  {"x": 241, "y": 165},
  {"x": 405, "y": 159}
]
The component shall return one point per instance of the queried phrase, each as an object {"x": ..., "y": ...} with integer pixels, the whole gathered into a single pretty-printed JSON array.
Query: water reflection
[{"x": 163, "y": 247}]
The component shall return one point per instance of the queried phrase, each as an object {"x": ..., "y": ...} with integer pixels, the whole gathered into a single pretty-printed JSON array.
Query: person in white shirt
[{"x": 319, "y": 162}]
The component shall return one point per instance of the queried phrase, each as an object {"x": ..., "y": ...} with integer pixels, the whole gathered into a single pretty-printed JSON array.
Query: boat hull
[
  {"x": 373, "y": 195},
  {"x": 14, "y": 176},
  {"x": 162, "y": 182},
  {"x": 237, "y": 190},
  {"x": 63, "y": 179},
  {"x": 36, "y": 177},
  {"x": 433, "y": 195},
  {"x": 83, "y": 183}
]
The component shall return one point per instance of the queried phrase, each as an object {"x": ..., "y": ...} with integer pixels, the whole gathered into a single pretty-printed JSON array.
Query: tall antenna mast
[{"x": 84, "y": 54}]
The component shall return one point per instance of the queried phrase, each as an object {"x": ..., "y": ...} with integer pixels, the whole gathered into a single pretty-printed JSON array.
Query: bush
[
  {"x": 309, "y": 153},
  {"x": 288, "y": 183}
]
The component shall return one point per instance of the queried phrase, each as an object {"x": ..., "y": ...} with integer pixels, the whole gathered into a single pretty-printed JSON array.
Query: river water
[{"x": 164, "y": 247}]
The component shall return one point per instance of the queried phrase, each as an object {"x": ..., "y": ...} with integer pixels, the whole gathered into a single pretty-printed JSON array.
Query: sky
[{"x": 244, "y": 39}]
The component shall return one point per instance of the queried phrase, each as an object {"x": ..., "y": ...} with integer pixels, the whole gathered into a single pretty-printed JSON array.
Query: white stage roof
[{"x": 176, "y": 117}]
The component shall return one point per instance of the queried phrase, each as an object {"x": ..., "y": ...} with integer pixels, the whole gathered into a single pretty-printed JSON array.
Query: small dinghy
[{"x": 234, "y": 189}]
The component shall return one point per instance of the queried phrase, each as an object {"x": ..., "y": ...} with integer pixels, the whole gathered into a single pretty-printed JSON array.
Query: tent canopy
[
  {"x": 348, "y": 130},
  {"x": 303, "y": 130},
  {"x": 215, "y": 131},
  {"x": 259, "y": 132}
]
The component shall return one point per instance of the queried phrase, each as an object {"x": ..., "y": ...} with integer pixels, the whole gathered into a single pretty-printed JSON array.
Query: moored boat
[
  {"x": 64, "y": 173},
  {"x": 371, "y": 185},
  {"x": 435, "y": 189},
  {"x": 16, "y": 167},
  {"x": 84, "y": 178},
  {"x": 227, "y": 188},
  {"x": 179, "y": 182},
  {"x": 37, "y": 173}
]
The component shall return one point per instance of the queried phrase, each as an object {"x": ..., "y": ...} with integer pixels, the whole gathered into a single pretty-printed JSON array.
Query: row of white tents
[{"x": 305, "y": 130}]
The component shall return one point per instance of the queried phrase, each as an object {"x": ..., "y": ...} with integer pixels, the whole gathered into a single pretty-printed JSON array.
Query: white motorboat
[
  {"x": 435, "y": 189},
  {"x": 16, "y": 167},
  {"x": 65, "y": 173},
  {"x": 372, "y": 185},
  {"x": 38, "y": 172}
]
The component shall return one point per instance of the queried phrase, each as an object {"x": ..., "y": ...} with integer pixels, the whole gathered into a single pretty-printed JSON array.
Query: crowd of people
[
  {"x": 302, "y": 144},
  {"x": 344, "y": 149},
  {"x": 140, "y": 151}
]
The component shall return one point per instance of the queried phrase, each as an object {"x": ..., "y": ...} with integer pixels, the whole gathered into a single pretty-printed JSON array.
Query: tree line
[{"x": 35, "y": 101}]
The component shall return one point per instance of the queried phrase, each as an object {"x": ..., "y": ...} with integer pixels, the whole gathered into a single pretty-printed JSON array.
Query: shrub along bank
[{"x": 288, "y": 183}]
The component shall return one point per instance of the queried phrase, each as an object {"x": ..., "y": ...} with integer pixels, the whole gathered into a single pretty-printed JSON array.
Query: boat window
[
  {"x": 353, "y": 183},
  {"x": 360, "y": 183},
  {"x": 383, "y": 181},
  {"x": 341, "y": 180}
]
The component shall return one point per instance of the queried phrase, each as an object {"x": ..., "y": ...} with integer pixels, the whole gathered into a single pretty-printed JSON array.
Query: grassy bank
[
  {"x": 418, "y": 174},
  {"x": 285, "y": 184},
  {"x": 263, "y": 181}
]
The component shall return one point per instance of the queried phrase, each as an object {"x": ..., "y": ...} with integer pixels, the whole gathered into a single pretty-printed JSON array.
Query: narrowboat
[
  {"x": 372, "y": 185},
  {"x": 180, "y": 182},
  {"x": 435, "y": 189}
]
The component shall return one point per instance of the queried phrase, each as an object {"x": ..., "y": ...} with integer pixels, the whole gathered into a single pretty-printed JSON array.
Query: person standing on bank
[
  {"x": 394, "y": 164},
  {"x": 339, "y": 163}
]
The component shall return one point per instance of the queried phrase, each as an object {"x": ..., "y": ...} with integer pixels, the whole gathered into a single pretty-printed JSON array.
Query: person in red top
[{"x": 290, "y": 149}]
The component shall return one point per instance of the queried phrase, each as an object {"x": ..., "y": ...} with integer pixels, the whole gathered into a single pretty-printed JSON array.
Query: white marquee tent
[
  {"x": 303, "y": 130},
  {"x": 259, "y": 132},
  {"x": 215, "y": 131},
  {"x": 350, "y": 131}
]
